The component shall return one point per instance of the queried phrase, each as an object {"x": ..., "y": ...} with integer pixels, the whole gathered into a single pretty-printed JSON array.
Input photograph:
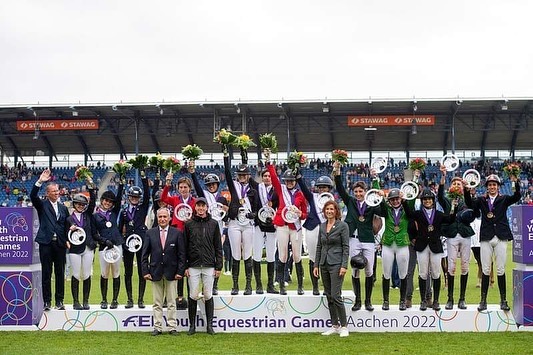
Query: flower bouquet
[
  {"x": 244, "y": 142},
  {"x": 455, "y": 192},
  {"x": 340, "y": 155},
  {"x": 269, "y": 141},
  {"x": 224, "y": 137},
  {"x": 139, "y": 162},
  {"x": 156, "y": 161},
  {"x": 512, "y": 169},
  {"x": 295, "y": 161},
  {"x": 82, "y": 173},
  {"x": 192, "y": 152},
  {"x": 417, "y": 164},
  {"x": 121, "y": 168},
  {"x": 171, "y": 164}
]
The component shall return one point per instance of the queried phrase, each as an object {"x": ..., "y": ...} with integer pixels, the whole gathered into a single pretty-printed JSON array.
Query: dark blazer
[
  {"x": 499, "y": 225},
  {"x": 312, "y": 219},
  {"x": 424, "y": 237},
  {"x": 163, "y": 262},
  {"x": 89, "y": 226},
  {"x": 333, "y": 248},
  {"x": 136, "y": 225},
  {"x": 234, "y": 204},
  {"x": 365, "y": 232},
  {"x": 49, "y": 224}
]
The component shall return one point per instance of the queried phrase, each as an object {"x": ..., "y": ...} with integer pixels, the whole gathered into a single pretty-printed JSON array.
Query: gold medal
[
  {"x": 396, "y": 229},
  {"x": 490, "y": 214},
  {"x": 241, "y": 201},
  {"x": 361, "y": 218},
  {"x": 431, "y": 228}
]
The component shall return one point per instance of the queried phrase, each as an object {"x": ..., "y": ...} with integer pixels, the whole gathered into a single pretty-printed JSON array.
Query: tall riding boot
[
  {"x": 300, "y": 277},
  {"x": 103, "y": 290},
  {"x": 314, "y": 279},
  {"x": 209, "y": 313},
  {"x": 129, "y": 292},
  {"x": 235, "y": 270},
  {"x": 281, "y": 270},
  {"x": 75, "y": 288},
  {"x": 386, "y": 290},
  {"x": 449, "y": 304},
  {"x": 257, "y": 274},
  {"x": 142, "y": 287},
  {"x": 86, "y": 292},
  {"x": 116, "y": 290},
  {"x": 270, "y": 284},
  {"x": 422, "y": 284},
  {"x": 356, "y": 285},
  {"x": 193, "y": 304},
  {"x": 436, "y": 294},
  {"x": 485, "y": 279},
  {"x": 248, "y": 267},
  {"x": 462, "y": 292},
  {"x": 215, "y": 286},
  {"x": 503, "y": 293},
  {"x": 369, "y": 284},
  {"x": 403, "y": 292}
]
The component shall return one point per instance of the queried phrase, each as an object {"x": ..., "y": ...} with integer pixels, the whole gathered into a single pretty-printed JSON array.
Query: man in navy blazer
[
  {"x": 163, "y": 263},
  {"x": 52, "y": 239}
]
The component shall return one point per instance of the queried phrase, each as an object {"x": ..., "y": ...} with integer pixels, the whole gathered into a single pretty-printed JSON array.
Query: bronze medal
[
  {"x": 396, "y": 229},
  {"x": 490, "y": 214},
  {"x": 361, "y": 218},
  {"x": 431, "y": 228}
]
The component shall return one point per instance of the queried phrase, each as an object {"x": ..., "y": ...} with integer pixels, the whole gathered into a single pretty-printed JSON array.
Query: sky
[{"x": 104, "y": 51}]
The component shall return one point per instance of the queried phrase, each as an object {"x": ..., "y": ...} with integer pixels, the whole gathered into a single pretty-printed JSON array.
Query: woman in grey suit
[{"x": 332, "y": 252}]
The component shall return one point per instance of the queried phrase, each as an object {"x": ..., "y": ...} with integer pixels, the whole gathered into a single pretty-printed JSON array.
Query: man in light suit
[
  {"x": 52, "y": 239},
  {"x": 163, "y": 263}
]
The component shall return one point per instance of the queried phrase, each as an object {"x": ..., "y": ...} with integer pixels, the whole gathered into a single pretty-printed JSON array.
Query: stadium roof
[{"x": 480, "y": 124}]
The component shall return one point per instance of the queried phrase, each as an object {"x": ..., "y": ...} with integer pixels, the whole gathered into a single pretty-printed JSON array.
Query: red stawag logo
[
  {"x": 58, "y": 125},
  {"x": 428, "y": 120}
]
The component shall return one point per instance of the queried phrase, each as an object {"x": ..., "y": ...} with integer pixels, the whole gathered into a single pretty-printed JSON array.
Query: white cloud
[{"x": 107, "y": 51}]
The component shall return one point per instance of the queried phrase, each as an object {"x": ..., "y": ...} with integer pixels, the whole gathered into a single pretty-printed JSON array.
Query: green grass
[
  {"x": 60, "y": 342},
  {"x": 225, "y": 283},
  {"x": 13, "y": 343}
]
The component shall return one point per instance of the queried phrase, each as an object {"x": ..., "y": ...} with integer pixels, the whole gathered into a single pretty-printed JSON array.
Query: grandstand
[{"x": 481, "y": 132}]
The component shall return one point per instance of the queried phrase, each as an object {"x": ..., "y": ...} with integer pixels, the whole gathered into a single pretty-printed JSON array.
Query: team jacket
[
  {"x": 88, "y": 225},
  {"x": 299, "y": 200},
  {"x": 497, "y": 226},
  {"x": 203, "y": 243}
]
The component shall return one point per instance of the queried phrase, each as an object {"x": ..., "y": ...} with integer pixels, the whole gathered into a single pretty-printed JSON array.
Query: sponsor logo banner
[
  {"x": 357, "y": 121},
  {"x": 275, "y": 314},
  {"x": 16, "y": 235},
  {"x": 58, "y": 125}
]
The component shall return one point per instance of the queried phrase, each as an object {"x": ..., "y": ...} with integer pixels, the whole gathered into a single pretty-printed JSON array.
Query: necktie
[{"x": 163, "y": 237}]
